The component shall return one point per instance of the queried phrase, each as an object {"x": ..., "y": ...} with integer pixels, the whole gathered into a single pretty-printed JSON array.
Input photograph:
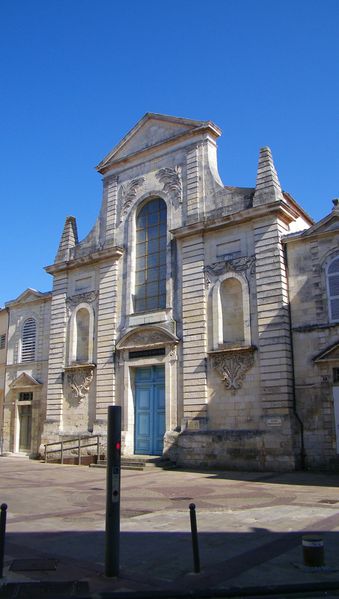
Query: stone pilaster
[
  {"x": 57, "y": 347},
  {"x": 194, "y": 330},
  {"x": 107, "y": 307},
  {"x": 280, "y": 444},
  {"x": 273, "y": 318},
  {"x": 110, "y": 200},
  {"x": 192, "y": 187}
]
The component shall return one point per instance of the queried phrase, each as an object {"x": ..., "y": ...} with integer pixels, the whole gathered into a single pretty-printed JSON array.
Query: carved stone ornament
[
  {"x": 173, "y": 352},
  {"x": 172, "y": 182},
  {"x": 245, "y": 265},
  {"x": 148, "y": 338},
  {"x": 128, "y": 194},
  {"x": 232, "y": 366},
  {"x": 79, "y": 378},
  {"x": 87, "y": 298}
]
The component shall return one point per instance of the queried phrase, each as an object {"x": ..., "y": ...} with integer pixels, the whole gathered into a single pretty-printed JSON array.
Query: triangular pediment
[
  {"x": 328, "y": 224},
  {"x": 331, "y": 354},
  {"x": 153, "y": 130},
  {"x": 146, "y": 338},
  {"x": 29, "y": 295},
  {"x": 24, "y": 381}
]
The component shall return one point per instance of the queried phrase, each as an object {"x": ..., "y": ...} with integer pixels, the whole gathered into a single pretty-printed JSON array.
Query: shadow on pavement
[{"x": 161, "y": 561}]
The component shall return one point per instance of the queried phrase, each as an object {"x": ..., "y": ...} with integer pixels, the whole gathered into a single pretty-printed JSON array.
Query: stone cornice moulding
[
  {"x": 236, "y": 218},
  {"x": 100, "y": 255},
  {"x": 207, "y": 129},
  {"x": 24, "y": 381},
  {"x": 28, "y": 297}
]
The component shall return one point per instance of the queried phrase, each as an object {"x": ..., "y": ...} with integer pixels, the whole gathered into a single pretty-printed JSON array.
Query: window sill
[{"x": 147, "y": 318}]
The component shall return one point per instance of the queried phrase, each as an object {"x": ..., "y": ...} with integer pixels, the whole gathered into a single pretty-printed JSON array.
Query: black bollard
[
  {"x": 194, "y": 532},
  {"x": 112, "y": 537},
  {"x": 3, "y": 514}
]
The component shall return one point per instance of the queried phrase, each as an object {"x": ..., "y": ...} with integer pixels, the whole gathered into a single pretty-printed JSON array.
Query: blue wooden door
[{"x": 149, "y": 410}]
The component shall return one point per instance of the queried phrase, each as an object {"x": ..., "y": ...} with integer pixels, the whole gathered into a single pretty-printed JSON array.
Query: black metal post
[
  {"x": 3, "y": 514},
  {"x": 113, "y": 491},
  {"x": 194, "y": 531}
]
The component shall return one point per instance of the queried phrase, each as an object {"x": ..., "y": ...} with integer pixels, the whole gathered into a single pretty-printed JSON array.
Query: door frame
[
  {"x": 18, "y": 404},
  {"x": 125, "y": 390},
  {"x": 335, "y": 392},
  {"x": 152, "y": 385}
]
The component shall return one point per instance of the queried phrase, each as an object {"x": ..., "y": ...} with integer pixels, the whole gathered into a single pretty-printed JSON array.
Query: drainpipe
[
  {"x": 294, "y": 398},
  {"x": 4, "y": 389}
]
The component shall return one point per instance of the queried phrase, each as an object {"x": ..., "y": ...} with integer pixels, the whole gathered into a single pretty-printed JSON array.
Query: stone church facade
[{"x": 209, "y": 313}]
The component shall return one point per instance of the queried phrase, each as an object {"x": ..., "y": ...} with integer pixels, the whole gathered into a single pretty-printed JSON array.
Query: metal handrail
[{"x": 95, "y": 440}]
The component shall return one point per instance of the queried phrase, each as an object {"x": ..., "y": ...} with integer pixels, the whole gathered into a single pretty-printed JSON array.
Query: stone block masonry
[
  {"x": 194, "y": 331},
  {"x": 107, "y": 315}
]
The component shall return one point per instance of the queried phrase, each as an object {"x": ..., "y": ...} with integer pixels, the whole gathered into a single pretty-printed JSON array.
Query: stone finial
[
  {"x": 335, "y": 203},
  {"x": 267, "y": 188},
  {"x": 69, "y": 239}
]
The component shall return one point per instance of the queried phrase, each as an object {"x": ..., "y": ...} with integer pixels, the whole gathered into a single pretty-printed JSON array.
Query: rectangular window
[
  {"x": 147, "y": 353},
  {"x": 27, "y": 396},
  {"x": 3, "y": 341}
]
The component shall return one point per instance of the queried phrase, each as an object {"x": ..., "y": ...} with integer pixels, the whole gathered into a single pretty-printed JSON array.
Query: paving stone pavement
[{"x": 250, "y": 527}]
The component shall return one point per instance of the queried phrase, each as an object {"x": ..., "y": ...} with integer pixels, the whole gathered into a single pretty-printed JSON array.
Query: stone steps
[{"x": 139, "y": 463}]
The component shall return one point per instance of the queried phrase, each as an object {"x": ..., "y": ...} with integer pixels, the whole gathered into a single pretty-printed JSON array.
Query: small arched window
[
  {"x": 150, "y": 257},
  {"x": 333, "y": 289},
  {"x": 28, "y": 340},
  {"x": 232, "y": 311},
  {"x": 82, "y": 335},
  {"x": 231, "y": 322}
]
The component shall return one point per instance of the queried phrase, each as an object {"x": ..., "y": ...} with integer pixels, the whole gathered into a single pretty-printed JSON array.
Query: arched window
[
  {"x": 82, "y": 335},
  {"x": 150, "y": 257},
  {"x": 333, "y": 289},
  {"x": 28, "y": 340},
  {"x": 232, "y": 311}
]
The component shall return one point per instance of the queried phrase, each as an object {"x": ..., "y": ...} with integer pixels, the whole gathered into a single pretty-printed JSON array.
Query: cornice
[
  {"x": 305, "y": 235},
  {"x": 186, "y": 135},
  {"x": 46, "y": 297},
  {"x": 287, "y": 213},
  {"x": 98, "y": 256}
]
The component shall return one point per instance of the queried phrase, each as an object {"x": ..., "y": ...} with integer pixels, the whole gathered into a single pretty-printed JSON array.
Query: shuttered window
[
  {"x": 28, "y": 340},
  {"x": 3, "y": 341},
  {"x": 333, "y": 289}
]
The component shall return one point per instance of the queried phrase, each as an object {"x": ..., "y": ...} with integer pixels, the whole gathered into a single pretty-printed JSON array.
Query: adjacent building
[{"x": 209, "y": 313}]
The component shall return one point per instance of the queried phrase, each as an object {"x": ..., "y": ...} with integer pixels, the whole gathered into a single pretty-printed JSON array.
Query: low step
[{"x": 142, "y": 463}]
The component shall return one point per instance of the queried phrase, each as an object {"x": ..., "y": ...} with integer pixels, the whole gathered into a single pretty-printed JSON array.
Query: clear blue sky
[{"x": 76, "y": 75}]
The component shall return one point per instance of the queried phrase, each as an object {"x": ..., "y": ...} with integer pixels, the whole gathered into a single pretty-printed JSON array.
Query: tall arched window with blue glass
[{"x": 150, "y": 258}]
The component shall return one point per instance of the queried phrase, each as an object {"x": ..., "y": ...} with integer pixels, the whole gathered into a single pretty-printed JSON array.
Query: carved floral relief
[
  {"x": 79, "y": 379},
  {"x": 87, "y": 298},
  {"x": 232, "y": 366},
  {"x": 172, "y": 182},
  {"x": 128, "y": 194},
  {"x": 244, "y": 265}
]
